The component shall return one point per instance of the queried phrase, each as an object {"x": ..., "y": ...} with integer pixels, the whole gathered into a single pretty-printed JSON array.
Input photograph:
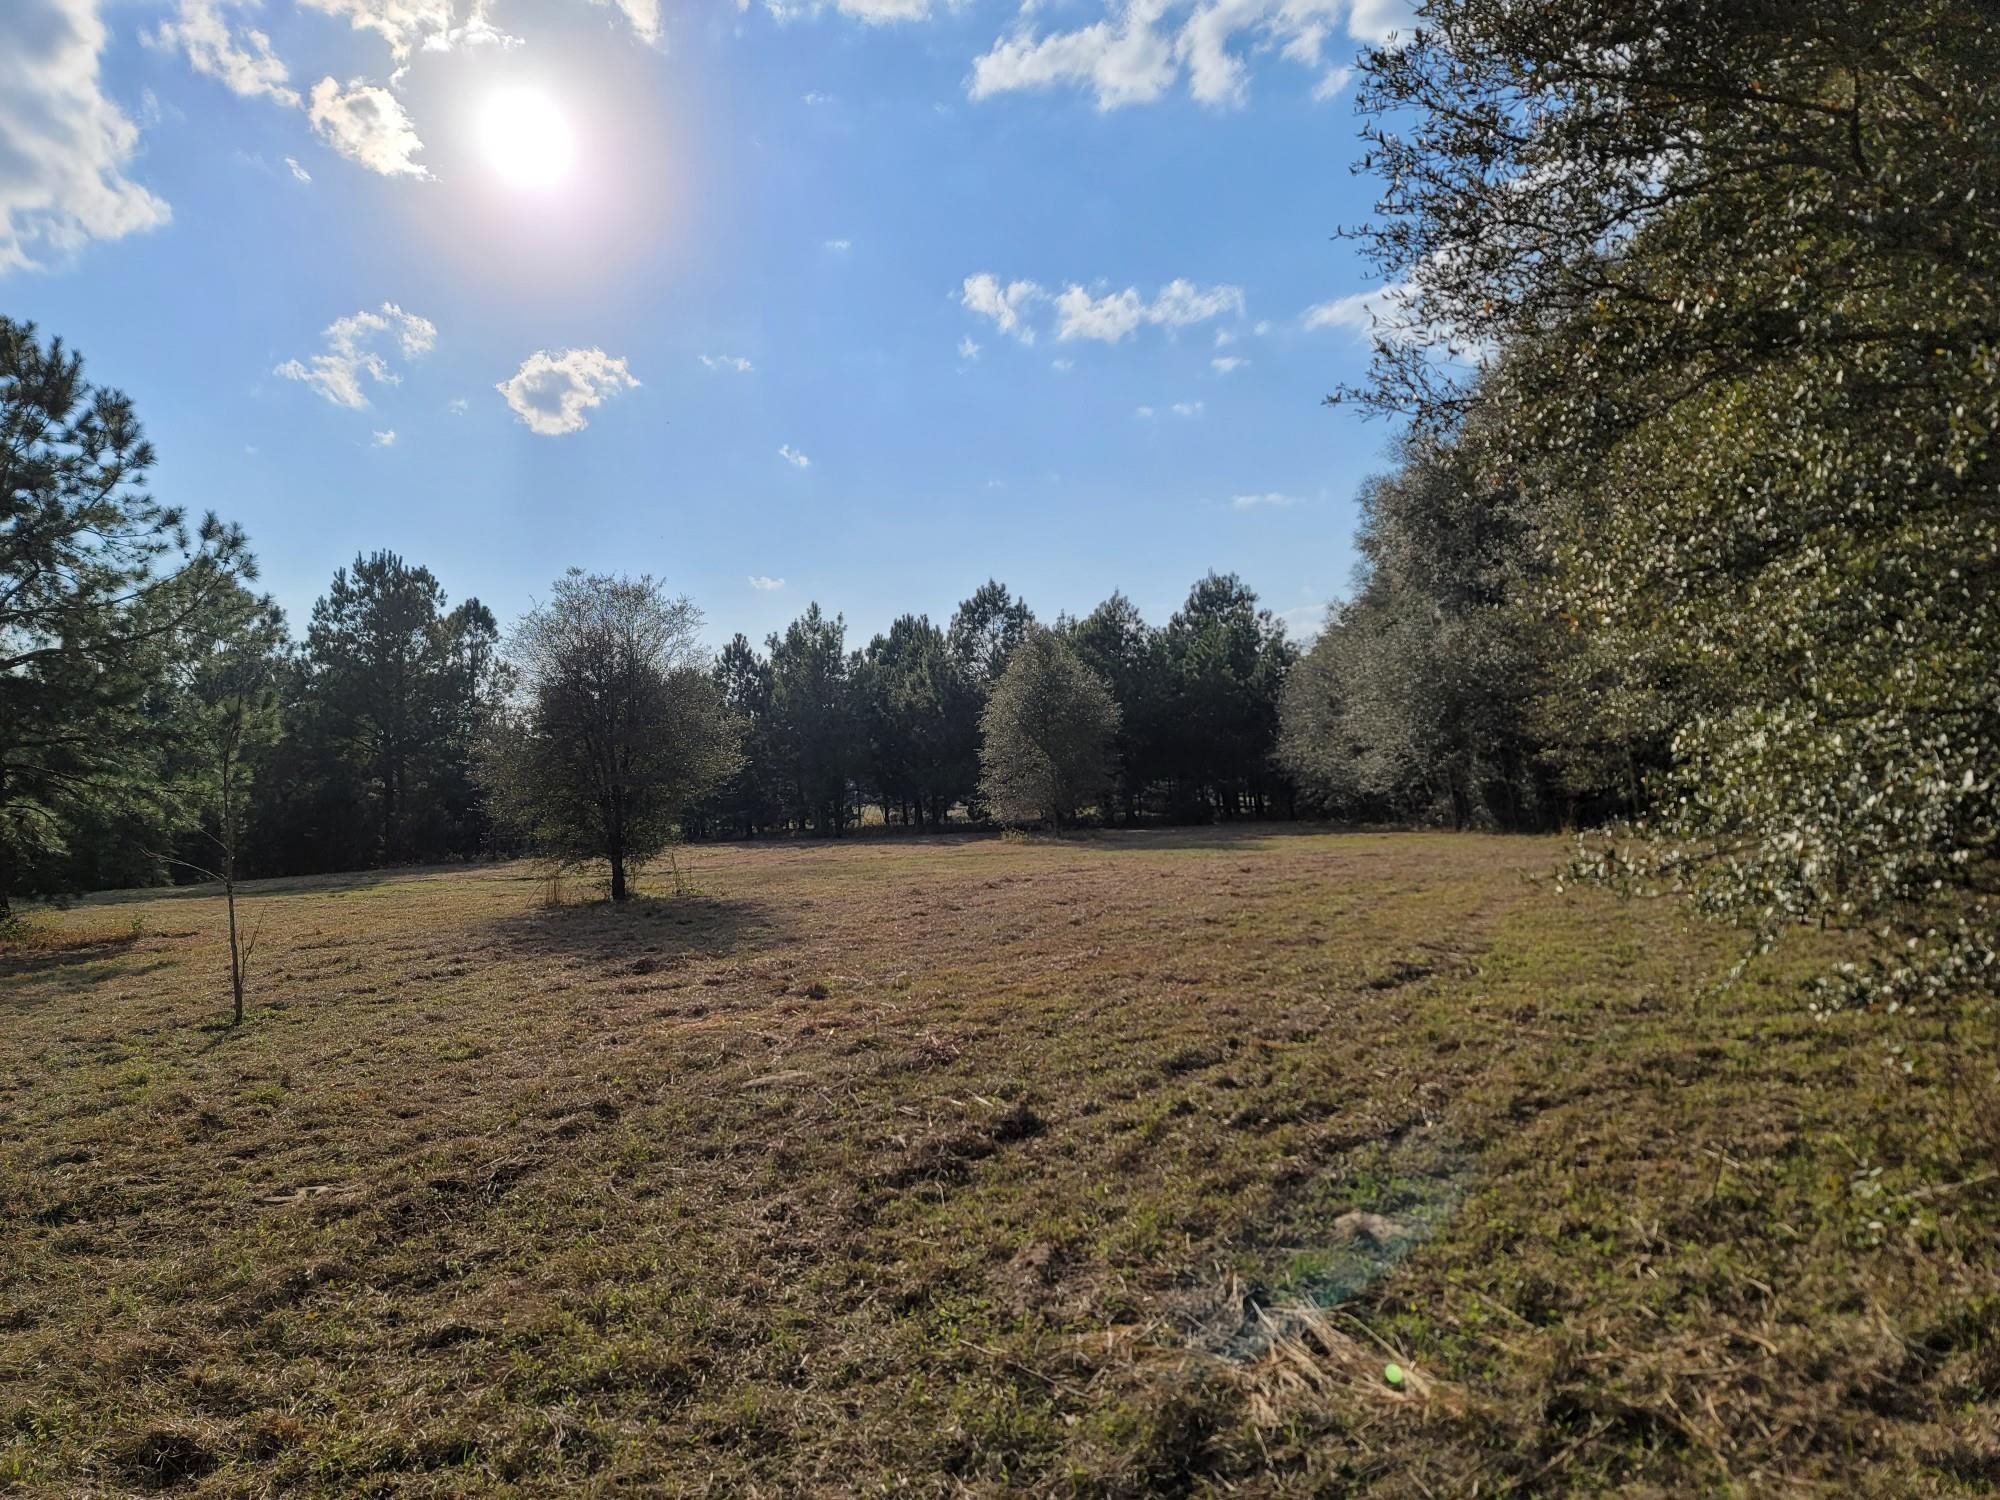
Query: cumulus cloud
[
  {"x": 64, "y": 147},
  {"x": 793, "y": 457},
  {"x": 352, "y": 353},
  {"x": 241, "y": 57},
  {"x": 968, "y": 348},
  {"x": 386, "y": 439},
  {"x": 984, "y": 295},
  {"x": 1128, "y": 60},
  {"x": 1143, "y": 48},
  {"x": 765, "y": 585},
  {"x": 735, "y": 362},
  {"x": 367, "y": 124},
  {"x": 551, "y": 391}
]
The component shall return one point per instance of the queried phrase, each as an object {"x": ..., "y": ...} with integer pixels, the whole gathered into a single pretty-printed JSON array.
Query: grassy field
[{"x": 1115, "y": 1165}]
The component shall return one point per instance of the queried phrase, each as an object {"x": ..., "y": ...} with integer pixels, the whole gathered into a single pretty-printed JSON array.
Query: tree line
[{"x": 160, "y": 720}]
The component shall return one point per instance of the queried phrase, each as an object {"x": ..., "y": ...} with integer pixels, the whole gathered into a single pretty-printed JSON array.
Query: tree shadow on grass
[
  {"x": 56, "y": 956},
  {"x": 645, "y": 932}
]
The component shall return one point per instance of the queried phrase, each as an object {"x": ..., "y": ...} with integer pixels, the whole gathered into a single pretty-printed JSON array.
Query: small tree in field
[
  {"x": 229, "y": 712},
  {"x": 617, "y": 724},
  {"x": 1047, "y": 733}
]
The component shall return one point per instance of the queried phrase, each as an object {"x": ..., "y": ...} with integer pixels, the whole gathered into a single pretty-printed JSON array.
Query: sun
[{"x": 528, "y": 139}]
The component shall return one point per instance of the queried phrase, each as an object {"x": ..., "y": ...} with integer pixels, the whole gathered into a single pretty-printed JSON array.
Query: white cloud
[
  {"x": 1360, "y": 313},
  {"x": 765, "y": 585},
  {"x": 1331, "y": 83},
  {"x": 551, "y": 391},
  {"x": 1118, "y": 315},
  {"x": 882, "y": 12},
  {"x": 298, "y": 172},
  {"x": 1127, "y": 62},
  {"x": 1189, "y": 408},
  {"x": 458, "y": 406},
  {"x": 735, "y": 362},
  {"x": 1228, "y": 364},
  {"x": 1144, "y": 412},
  {"x": 984, "y": 295},
  {"x": 643, "y": 16},
  {"x": 815, "y": 97},
  {"x": 793, "y": 457},
  {"x": 1143, "y": 48},
  {"x": 385, "y": 439},
  {"x": 1110, "y": 318},
  {"x": 839, "y": 247},
  {"x": 1062, "y": 366},
  {"x": 968, "y": 348},
  {"x": 1181, "y": 302},
  {"x": 418, "y": 25},
  {"x": 336, "y": 374},
  {"x": 1304, "y": 621},
  {"x": 64, "y": 147},
  {"x": 1271, "y": 500},
  {"x": 241, "y": 59},
  {"x": 367, "y": 124},
  {"x": 1263, "y": 327}
]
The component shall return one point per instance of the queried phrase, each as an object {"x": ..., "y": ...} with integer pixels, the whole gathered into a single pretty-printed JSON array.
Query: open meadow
[{"x": 1119, "y": 1164}]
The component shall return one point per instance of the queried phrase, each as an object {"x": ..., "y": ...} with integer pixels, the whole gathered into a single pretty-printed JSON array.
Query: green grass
[{"x": 961, "y": 1165}]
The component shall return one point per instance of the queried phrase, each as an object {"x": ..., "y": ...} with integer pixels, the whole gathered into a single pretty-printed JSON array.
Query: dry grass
[{"x": 1109, "y": 1166}]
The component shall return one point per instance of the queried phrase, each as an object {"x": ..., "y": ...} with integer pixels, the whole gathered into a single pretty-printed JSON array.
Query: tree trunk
[
  {"x": 235, "y": 952},
  {"x": 614, "y": 849}
]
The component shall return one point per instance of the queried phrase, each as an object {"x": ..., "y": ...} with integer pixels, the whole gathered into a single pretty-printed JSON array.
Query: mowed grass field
[{"x": 1113, "y": 1165}]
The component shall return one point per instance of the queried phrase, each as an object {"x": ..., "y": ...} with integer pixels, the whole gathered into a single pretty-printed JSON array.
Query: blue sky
[{"x": 726, "y": 336}]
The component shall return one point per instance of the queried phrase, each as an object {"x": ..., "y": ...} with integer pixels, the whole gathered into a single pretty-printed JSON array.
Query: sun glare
[{"x": 528, "y": 139}]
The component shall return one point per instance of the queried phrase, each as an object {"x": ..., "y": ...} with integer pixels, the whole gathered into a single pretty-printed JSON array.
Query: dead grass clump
[{"x": 161, "y": 1458}]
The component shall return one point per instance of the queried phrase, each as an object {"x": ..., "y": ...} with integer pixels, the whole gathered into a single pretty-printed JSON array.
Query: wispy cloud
[
  {"x": 1109, "y": 317},
  {"x": 968, "y": 348},
  {"x": 765, "y": 585},
  {"x": 351, "y": 353},
  {"x": 1228, "y": 364},
  {"x": 1270, "y": 500},
  {"x": 839, "y": 247},
  {"x": 240, "y": 58},
  {"x": 735, "y": 362},
  {"x": 298, "y": 172},
  {"x": 1360, "y": 313},
  {"x": 793, "y": 457},
  {"x": 1189, "y": 408},
  {"x": 385, "y": 439}
]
